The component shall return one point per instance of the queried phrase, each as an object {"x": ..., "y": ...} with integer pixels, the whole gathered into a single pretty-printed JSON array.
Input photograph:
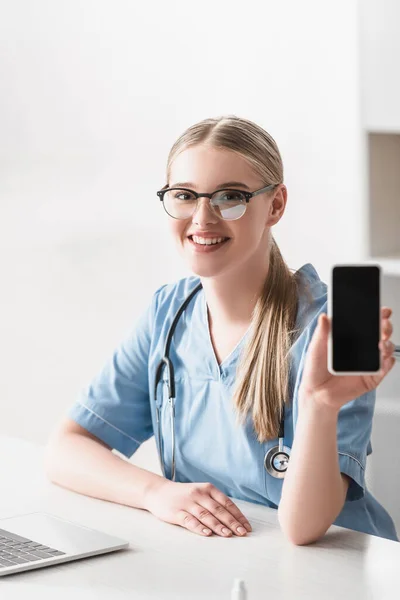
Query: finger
[
  {"x": 387, "y": 365},
  {"x": 189, "y": 521},
  {"x": 387, "y": 329},
  {"x": 230, "y": 507},
  {"x": 219, "y": 519},
  {"x": 322, "y": 330},
  {"x": 208, "y": 518},
  {"x": 386, "y": 312},
  {"x": 387, "y": 348}
]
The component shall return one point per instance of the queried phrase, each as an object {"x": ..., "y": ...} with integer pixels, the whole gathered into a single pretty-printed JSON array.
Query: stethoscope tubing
[
  {"x": 270, "y": 456},
  {"x": 166, "y": 362}
]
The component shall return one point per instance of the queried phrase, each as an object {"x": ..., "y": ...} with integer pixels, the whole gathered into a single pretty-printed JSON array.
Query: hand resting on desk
[{"x": 199, "y": 507}]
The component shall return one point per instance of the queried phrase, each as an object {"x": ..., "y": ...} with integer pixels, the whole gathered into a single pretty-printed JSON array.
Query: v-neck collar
[{"x": 204, "y": 317}]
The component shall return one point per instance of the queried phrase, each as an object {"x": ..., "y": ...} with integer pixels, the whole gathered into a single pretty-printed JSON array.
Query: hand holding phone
[{"x": 352, "y": 341}]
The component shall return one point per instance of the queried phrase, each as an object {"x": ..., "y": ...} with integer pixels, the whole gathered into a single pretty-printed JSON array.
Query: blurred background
[{"x": 92, "y": 95}]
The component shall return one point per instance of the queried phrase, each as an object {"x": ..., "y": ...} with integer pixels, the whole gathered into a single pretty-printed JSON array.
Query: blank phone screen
[{"x": 355, "y": 318}]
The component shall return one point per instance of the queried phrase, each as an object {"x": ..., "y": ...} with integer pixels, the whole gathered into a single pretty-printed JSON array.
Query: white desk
[{"x": 168, "y": 562}]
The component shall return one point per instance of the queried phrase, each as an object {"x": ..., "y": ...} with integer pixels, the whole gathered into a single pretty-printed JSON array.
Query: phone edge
[{"x": 330, "y": 339}]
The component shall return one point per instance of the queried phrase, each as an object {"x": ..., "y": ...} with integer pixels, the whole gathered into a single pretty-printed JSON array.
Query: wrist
[
  {"x": 316, "y": 403},
  {"x": 151, "y": 489}
]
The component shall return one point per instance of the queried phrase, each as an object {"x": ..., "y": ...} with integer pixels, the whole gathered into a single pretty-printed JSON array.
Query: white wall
[
  {"x": 93, "y": 95},
  {"x": 95, "y": 92}
]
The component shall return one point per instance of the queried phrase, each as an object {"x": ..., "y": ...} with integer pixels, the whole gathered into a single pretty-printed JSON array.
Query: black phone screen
[{"x": 355, "y": 318}]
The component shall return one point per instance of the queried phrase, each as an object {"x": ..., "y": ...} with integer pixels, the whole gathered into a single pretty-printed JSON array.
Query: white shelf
[
  {"x": 383, "y": 201},
  {"x": 380, "y": 49}
]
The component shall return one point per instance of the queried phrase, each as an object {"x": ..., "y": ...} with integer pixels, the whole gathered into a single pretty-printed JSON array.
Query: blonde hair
[{"x": 262, "y": 378}]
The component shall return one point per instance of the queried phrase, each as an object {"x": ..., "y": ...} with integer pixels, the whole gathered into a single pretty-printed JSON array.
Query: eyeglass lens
[{"x": 182, "y": 204}]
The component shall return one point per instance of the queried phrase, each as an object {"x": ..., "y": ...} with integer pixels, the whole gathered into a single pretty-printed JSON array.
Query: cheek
[
  {"x": 177, "y": 228},
  {"x": 251, "y": 226},
  {"x": 250, "y": 234},
  {"x": 257, "y": 220}
]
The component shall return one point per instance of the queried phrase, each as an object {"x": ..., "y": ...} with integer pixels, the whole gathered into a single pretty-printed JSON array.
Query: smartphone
[{"x": 354, "y": 307}]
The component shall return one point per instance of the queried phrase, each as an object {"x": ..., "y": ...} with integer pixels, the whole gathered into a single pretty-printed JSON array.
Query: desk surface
[{"x": 168, "y": 562}]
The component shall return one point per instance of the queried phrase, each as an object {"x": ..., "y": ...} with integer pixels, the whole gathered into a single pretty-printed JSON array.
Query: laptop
[{"x": 36, "y": 540}]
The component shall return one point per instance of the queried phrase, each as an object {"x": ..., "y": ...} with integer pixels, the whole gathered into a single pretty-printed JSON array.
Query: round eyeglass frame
[{"x": 247, "y": 195}]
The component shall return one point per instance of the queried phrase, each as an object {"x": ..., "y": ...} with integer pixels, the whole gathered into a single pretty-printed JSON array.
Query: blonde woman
[{"x": 249, "y": 356}]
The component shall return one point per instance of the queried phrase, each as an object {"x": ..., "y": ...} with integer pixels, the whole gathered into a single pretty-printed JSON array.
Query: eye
[
  {"x": 229, "y": 196},
  {"x": 183, "y": 195}
]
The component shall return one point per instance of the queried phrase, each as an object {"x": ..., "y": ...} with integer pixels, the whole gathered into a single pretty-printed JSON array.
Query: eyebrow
[{"x": 227, "y": 184}]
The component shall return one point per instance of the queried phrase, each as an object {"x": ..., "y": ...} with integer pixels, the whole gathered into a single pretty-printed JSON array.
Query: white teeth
[{"x": 207, "y": 241}]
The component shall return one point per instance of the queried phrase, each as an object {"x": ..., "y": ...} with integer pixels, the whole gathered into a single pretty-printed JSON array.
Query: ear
[{"x": 278, "y": 205}]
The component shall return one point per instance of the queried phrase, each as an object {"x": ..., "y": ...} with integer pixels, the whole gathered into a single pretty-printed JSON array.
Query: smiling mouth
[{"x": 219, "y": 240}]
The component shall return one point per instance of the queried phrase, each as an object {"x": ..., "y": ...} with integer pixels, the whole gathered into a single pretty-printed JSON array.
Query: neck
[{"x": 232, "y": 296}]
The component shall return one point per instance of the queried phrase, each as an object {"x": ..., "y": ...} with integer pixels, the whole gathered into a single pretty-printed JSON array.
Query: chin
[
  {"x": 203, "y": 266},
  {"x": 205, "y": 270}
]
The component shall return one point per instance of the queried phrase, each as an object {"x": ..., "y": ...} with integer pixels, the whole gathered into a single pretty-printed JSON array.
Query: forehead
[{"x": 206, "y": 166}]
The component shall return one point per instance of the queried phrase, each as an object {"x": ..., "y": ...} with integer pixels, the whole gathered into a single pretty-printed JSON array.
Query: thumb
[
  {"x": 320, "y": 336},
  {"x": 315, "y": 368},
  {"x": 324, "y": 323},
  {"x": 323, "y": 326}
]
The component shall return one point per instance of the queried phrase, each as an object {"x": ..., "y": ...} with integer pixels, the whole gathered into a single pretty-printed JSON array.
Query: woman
[{"x": 250, "y": 346}]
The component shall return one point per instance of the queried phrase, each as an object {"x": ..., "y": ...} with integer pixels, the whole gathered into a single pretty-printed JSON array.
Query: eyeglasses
[{"x": 182, "y": 203}]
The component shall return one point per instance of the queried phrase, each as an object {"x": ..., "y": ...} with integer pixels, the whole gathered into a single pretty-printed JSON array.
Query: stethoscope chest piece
[{"x": 276, "y": 461}]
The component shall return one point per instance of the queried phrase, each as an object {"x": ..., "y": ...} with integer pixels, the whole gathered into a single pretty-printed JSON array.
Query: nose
[{"x": 204, "y": 213}]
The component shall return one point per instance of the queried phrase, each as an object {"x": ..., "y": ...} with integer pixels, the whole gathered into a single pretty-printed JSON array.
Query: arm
[
  {"x": 314, "y": 490},
  {"x": 77, "y": 460}
]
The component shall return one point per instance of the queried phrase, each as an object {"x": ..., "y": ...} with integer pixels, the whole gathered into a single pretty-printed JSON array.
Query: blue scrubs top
[{"x": 119, "y": 406}]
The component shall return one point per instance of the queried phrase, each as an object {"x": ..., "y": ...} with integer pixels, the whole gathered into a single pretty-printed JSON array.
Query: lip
[{"x": 207, "y": 234}]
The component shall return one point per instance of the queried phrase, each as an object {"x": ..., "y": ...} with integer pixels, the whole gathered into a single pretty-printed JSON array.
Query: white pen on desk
[{"x": 239, "y": 590}]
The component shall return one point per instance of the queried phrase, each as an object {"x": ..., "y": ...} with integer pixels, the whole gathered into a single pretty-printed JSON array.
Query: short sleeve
[
  {"x": 353, "y": 440},
  {"x": 115, "y": 406}
]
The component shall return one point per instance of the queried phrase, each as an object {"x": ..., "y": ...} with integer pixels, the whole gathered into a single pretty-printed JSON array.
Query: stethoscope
[{"x": 276, "y": 459}]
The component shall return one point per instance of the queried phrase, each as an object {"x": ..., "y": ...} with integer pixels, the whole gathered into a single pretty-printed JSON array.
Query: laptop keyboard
[{"x": 17, "y": 550}]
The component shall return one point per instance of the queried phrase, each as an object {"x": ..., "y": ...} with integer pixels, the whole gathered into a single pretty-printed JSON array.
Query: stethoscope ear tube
[
  {"x": 166, "y": 362},
  {"x": 171, "y": 377},
  {"x": 171, "y": 401}
]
